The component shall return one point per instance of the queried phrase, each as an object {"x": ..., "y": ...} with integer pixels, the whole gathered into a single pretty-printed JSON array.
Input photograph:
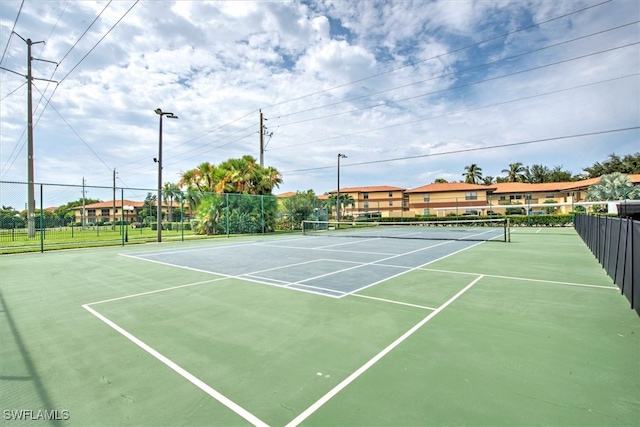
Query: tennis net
[{"x": 473, "y": 230}]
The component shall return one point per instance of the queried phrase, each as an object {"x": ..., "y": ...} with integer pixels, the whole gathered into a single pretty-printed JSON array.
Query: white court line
[
  {"x": 324, "y": 399},
  {"x": 181, "y": 371},
  {"x": 393, "y": 301},
  {"x": 157, "y": 291},
  {"x": 204, "y": 248},
  {"x": 226, "y": 276},
  {"x": 410, "y": 269},
  {"x": 523, "y": 279},
  {"x": 323, "y": 248}
]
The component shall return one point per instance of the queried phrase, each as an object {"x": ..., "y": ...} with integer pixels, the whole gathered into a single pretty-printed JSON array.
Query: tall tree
[
  {"x": 487, "y": 180},
  {"x": 630, "y": 163},
  {"x": 558, "y": 175},
  {"x": 171, "y": 191},
  {"x": 515, "y": 173},
  {"x": 472, "y": 174},
  {"x": 536, "y": 174}
]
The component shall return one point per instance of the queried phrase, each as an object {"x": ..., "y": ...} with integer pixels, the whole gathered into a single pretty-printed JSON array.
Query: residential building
[
  {"x": 105, "y": 211},
  {"x": 458, "y": 198},
  {"x": 382, "y": 201}
]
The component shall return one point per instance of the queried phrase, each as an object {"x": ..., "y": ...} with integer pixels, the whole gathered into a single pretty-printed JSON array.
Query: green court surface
[{"x": 318, "y": 331}]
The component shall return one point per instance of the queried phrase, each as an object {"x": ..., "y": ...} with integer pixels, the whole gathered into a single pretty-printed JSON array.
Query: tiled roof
[
  {"x": 513, "y": 187},
  {"x": 287, "y": 194},
  {"x": 109, "y": 204},
  {"x": 450, "y": 186},
  {"x": 374, "y": 189},
  {"x": 522, "y": 187}
]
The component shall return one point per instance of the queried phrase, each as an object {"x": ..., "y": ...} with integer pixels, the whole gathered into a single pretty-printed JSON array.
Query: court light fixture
[
  {"x": 340, "y": 156},
  {"x": 159, "y": 161}
]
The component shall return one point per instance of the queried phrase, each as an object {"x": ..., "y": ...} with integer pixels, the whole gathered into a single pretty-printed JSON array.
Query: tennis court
[{"x": 318, "y": 330}]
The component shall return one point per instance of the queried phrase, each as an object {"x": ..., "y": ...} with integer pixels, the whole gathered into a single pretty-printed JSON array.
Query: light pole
[
  {"x": 340, "y": 156},
  {"x": 159, "y": 161}
]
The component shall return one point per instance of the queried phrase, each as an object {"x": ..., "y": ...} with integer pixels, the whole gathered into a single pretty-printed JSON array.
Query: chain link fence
[{"x": 71, "y": 216}]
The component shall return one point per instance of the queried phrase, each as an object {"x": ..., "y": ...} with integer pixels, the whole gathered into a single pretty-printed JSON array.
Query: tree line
[{"x": 535, "y": 174}]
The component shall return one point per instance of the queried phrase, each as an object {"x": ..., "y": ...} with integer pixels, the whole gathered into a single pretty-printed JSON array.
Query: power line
[
  {"x": 99, "y": 41},
  {"x": 77, "y": 134},
  {"x": 442, "y": 76},
  {"x": 468, "y": 150},
  {"x": 441, "y": 55},
  {"x": 11, "y": 33},
  {"x": 415, "y": 63},
  {"x": 457, "y": 112}
]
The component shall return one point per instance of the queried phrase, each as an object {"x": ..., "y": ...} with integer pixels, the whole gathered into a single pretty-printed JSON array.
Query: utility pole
[
  {"x": 261, "y": 141},
  {"x": 113, "y": 225},
  {"x": 31, "y": 200},
  {"x": 263, "y": 132},
  {"x": 83, "y": 212}
]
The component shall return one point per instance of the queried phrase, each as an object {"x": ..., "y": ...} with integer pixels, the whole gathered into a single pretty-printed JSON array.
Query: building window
[
  {"x": 390, "y": 194},
  {"x": 503, "y": 198},
  {"x": 549, "y": 196},
  {"x": 426, "y": 198},
  {"x": 515, "y": 197},
  {"x": 471, "y": 196},
  {"x": 104, "y": 212},
  {"x": 390, "y": 202},
  {"x": 426, "y": 212},
  {"x": 366, "y": 205}
]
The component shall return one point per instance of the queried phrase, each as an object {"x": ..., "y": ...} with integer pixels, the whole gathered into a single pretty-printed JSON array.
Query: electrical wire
[
  {"x": 15, "y": 22},
  {"x": 469, "y": 150},
  {"x": 452, "y": 113},
  {"x": 333, "y": 104}
]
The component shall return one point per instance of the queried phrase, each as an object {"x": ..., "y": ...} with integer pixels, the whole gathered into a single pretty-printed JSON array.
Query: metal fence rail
[{"x": 78, "y": 216}]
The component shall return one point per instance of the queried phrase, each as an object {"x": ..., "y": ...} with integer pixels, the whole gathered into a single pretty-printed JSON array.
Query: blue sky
[{"x": 431, "y": 84}]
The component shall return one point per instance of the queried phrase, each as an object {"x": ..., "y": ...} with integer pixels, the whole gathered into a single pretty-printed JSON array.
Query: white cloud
[{"x": 376, "y": 80}]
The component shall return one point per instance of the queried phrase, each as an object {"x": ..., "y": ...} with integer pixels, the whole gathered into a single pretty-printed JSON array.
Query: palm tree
[
  {"x": 170, "y": 191},
  {"x": 487, "y": 180},
  {"x": 473, "y": 174},
  {"x": 613, "y": 186},
  {"x": 515, "y": 173},
  {"x": 536, "y": 174},
  {"x": 268, "y": 179}
]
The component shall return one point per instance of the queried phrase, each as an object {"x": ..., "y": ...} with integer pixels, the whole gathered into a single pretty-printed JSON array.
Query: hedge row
[{"x": 550, "y": 220}]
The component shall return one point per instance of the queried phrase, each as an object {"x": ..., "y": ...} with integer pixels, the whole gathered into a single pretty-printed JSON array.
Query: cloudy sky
[{"x": 410, "y": 91}]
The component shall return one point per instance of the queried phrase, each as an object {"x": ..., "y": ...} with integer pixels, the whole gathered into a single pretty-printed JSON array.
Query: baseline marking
[
  {"x": 393, "y": 301},
  {"x": 523, "y": 279},
  {"x": 181, "y": 371},
  {"x": 410, "y": 269},
  {"x": 324, "y": 399}
]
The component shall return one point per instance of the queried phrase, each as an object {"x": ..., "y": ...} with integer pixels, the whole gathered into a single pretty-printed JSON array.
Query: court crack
[{"x": 288, "y": 409}]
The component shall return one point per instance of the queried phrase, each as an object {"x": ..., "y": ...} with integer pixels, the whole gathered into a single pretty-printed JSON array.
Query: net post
[{"x": 508, "y": 230}]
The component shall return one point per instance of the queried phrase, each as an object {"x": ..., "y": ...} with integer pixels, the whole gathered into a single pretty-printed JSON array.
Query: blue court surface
[{"x": 327, "y": 266}]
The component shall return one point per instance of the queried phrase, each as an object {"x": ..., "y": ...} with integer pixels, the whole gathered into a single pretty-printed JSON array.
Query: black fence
[{"x": 616, "y": 244}]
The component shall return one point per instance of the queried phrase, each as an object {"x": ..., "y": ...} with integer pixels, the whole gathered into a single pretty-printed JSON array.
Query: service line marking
[
  {"x": 324, "y": 399},
  {"x": 181, "y": 371}
]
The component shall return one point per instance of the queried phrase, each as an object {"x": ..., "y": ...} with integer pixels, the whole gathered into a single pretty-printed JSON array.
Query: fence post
[
  {"x": 182, "y": 216},
  {"x": 41, "y": 222},
  {"x": 262, "y": 211},
  {"x": 122, "y": 226},
  {"x": 227, "y": 208}
]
